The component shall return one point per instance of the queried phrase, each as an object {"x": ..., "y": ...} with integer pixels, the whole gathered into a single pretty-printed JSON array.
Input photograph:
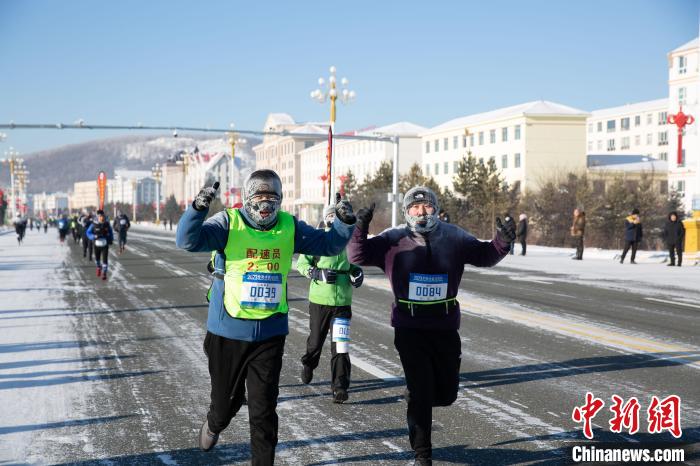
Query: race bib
[
  {"x": 427, "y": 287},
  {"x": 122, "y": 222},
  {"x": 261, "y": 290},
  {"x": 100, "y": 242}
]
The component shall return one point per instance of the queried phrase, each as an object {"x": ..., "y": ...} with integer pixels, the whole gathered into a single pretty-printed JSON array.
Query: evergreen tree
[{"x": 172, "y": 210}]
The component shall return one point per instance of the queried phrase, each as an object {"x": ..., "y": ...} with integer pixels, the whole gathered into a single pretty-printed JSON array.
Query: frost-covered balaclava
[
  {"x": 421, "y": 223},
  {"x": 329, "y": 215},
  {"x": 262, "y": 182}
]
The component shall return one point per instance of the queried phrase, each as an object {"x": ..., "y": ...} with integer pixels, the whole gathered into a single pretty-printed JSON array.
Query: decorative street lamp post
[
  {"x": 16, "y": 165},
  {"x": 233, "y": 139},
  {"x": 680, "y": 119},
  {"x": 329, "y": 91},
  {"x": 157, "y": 174}
]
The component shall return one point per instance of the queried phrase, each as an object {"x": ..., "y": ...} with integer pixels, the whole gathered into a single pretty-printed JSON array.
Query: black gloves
[
  {"x": 205, "y": 196},
  {"x": 505, "y": 232},
  {"x": 343, "y": 210},
  {"x": 356, "y": 277},
  {"x": 325, "y": 275},
  {"x": 364, "y": 216}
]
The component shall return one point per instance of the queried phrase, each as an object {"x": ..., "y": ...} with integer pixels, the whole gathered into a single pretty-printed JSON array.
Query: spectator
[
  {"x": 633, "y": 235},
  {"x": 521, "y": 233},
  {"x": 578, "y": 228},
  {"x": 674, "y": 236}
]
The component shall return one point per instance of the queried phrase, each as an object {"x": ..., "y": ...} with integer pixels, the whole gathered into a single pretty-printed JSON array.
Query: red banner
[{"x": 101, "y": 186}]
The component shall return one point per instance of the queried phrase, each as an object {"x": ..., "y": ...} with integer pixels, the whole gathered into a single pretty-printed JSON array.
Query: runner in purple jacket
[{"x": 424, "y": 260}]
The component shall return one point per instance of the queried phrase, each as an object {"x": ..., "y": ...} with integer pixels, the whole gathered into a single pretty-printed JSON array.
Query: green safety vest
[
  {"x": 257, "y": 264},
  {"x": 337, "y": 294}
]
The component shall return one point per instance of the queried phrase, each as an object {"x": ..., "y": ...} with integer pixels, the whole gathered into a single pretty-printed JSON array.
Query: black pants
[
  {"x": 430, "y": 360},
  {"x": 678, "y": 249},
  {"x": 87, "y": 247},
  {"x": 629, "y": 244},
  {"x": 523, "y": 245},
  {"x": 122, "y": 239},
  {"x": 320, "y": 321},
  {"x": 578, "y": 243},
  {"x": 233, "y": 364},
  {"x": 101, "y": 255}
]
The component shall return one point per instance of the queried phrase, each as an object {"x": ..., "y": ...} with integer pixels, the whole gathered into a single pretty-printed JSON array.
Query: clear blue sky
[{"x": 216, "y": 62}]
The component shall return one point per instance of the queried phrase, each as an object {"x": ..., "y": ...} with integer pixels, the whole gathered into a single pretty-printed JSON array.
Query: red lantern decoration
[{"x": 680, "y": 119}]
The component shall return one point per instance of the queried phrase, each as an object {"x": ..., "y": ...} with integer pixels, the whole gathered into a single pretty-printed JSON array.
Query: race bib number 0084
[
  {"x": 261, "y": 290},
  {"x": 427, "y": 287}
]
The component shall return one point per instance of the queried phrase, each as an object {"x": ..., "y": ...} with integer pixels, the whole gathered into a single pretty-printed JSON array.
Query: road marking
[
  {"x": 528, "y": 279},
  {"x": 180, "y": 272},
  {"x": 555, "y": 415},
  {"x": 666, "y": 301}
]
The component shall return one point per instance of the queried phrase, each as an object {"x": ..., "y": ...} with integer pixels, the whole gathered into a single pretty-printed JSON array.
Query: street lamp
[
  {"x": 157, "y": 174},
  {"x": 16, "y": 165},
  {"x": 329, "y": 91},
  {"x": 233, "y": 139}
]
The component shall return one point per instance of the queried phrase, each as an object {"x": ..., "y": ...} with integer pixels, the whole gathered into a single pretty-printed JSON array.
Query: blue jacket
[
  {"x": 90, "y": 233},
  {"x": 196, "y": 235},
  {"x": 633, "y": 231}
]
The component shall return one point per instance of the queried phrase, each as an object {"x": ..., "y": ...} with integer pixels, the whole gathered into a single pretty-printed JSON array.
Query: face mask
[
  {"x": 421, "y": 223},
  {"x": 254, "y": 209}
]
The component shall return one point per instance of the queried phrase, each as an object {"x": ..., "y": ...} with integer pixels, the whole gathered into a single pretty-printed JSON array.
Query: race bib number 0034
[
  {"x": 261, "y": 290},
  {"x": 427, "y": 287}
]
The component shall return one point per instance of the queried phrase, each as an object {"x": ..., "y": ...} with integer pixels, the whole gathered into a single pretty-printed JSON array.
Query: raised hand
[
  {"x": 205, "y": 196},
  {"x": 343, "y": 210},
  {"x": 364, "y": 216}
]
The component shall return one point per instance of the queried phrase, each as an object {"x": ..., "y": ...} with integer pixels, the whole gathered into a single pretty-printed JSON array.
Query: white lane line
[
  {"x": 171, "y": 267},
  {"x": 555, "y": 415},
  {"x": 528, "y": 279},
  {"x": 668, "y": 301}
]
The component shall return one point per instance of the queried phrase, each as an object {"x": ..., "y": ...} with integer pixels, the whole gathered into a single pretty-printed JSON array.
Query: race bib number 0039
[
  {"x": 261, "y": 290},
  {"x": 427, "y": 287}
]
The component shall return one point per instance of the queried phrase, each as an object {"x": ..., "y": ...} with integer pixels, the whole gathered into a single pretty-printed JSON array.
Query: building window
[
  {"x": 625, "y": 124},
  {"x": 681, "y": 95},
  {"x": 427, "y": 147},
  {"x": 682, "y": 164},
  {"x": 625, "y": 143},
  {"x": 427, "y": 169},
  {"x": 492, "y": 136},
  {"x": 637, "y": 120},
  {"x": 663, "y": 138},
  {"x": 611, "y": 126},
  {"x": 481, "y": 138},
  {"x": 590, "y": 127},
  {"x": 516, "y": 160},
  {"x": 517, "y": 132},
  {"x": 638, "y": 140},
  {"x": 504, "y": 161},
  {"x": 464, "y": 141},
  {"x": 649, "y": 139},
  {"x": 455, "y": 142},
  {"x": 445, "y": 144},
  {"x": 682, "y": 64},
  {"x": 649, "y": 118},
  {"x": 662, "y": 118},
  {"x": 611, "y": 145},
  {"x": 590, "y": 146},
  {"x": 680, "y": 186},
  {"x": 600, "y": 144},
  {"x": 446, "y": 168},
  {"x": 437, "y": 169},
  {"x": 436, "y": 145},
  {"x": 471, "y": 140},
  {"x": 504, "y": 134},
  {"x": 455, "y": 166},
  {"x": 663, "y": 156},
  {"x": 600, "y": 126}
]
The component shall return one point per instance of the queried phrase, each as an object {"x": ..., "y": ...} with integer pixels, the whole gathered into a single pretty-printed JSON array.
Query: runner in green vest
[
  {"x": 247, "y": 321},
  {"x": 330, "y": 297}
]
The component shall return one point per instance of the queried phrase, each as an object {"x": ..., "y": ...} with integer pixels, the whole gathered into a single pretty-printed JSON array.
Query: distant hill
[{"x": 57, "y": 169}]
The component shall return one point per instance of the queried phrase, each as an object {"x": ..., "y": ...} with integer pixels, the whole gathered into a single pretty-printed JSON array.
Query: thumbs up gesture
[{"x": 343, "y": 210}]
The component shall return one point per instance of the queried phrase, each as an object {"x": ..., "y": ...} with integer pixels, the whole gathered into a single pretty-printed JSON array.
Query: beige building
[
  {"x": 684, "y": 90},
  {"x": 632, "y": 173},
  {"x": 361, "y": 157},
  {"x": 49, "y": 203},
  {"x": 85, "y": 195},
  {"x": 173, "y": 181},
  {"x": 632, "y": 129},
  {"x": 528, "y": 142},
  {"x": 282, "y": 153}
]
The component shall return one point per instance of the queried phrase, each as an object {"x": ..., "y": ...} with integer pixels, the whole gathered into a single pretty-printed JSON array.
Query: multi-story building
[
  {"x": 631, "y": 169},
  {"x": 528, "y": 142},
  {"x": 128, "y": 185},
  {"x": 281, "y": 152},
  {"x": 173, "y": 181},
  {"x": 632, "y": 129},
  {"x": 44, "y": 204},
  {"x": 684, "y": 90},
  {"x": 84, "y": 195},
  {"x": 361, "y": 157}
]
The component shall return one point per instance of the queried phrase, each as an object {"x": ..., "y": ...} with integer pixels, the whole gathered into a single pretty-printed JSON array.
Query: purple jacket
[{"x": 400, "y": 252}]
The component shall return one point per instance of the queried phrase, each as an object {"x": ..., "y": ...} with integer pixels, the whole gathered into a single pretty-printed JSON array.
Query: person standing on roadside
[
  {"x": 674, "y": 237},
  {"x": 633, "y": 235},
  {"x": 424, "y": 260},
  {"x": 577, "y": 231},
  {"x": 521, "y": 233},
  {"x": 247, "y": 323}
]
